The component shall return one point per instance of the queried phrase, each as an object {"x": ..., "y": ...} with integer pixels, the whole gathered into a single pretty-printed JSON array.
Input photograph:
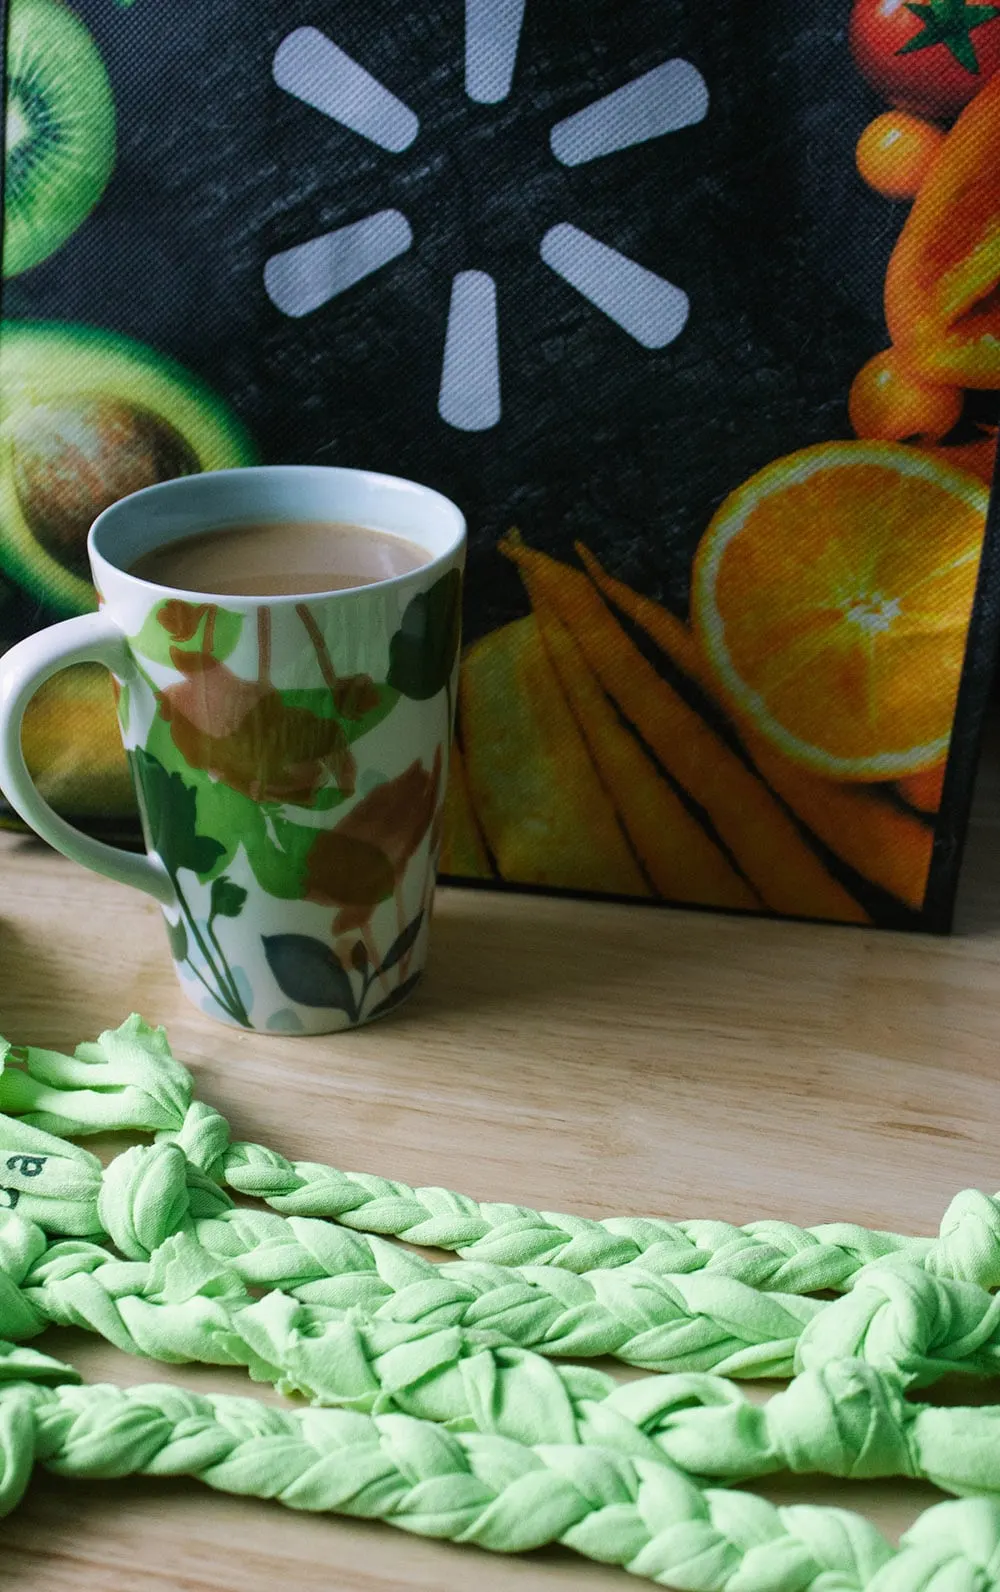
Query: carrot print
[
  {"x": 682, "y": 862},
  {"x": 765, "y": 842}
]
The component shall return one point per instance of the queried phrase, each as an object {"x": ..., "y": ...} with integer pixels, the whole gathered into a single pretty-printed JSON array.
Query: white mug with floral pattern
[{"x": 290, "y": 753}]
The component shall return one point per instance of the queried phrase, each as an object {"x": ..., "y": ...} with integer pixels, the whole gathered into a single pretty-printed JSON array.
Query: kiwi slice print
[{"x": 60, "y": 131}]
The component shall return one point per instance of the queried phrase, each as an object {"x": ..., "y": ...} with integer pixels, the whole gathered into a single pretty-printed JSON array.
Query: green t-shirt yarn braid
[
  {"x": 182, "y": 1306},
  {"x": 129, "y": 1079},
  {"x": 532, "y": 1453},
  {"x": 700, "y": 1321},
  {"x": 643, "y": 1515}
]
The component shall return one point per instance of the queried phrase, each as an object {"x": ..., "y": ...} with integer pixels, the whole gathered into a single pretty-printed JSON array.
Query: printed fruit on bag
[
  {"x": 60, "y": 131},
  {"x": 85, "y": 418},
  {"x": 888, "y": 403},
  {"x": 928, "y": 56},
  {"x": 73, "y": 747},
  {"x": 831, "y": 598},
  {"x": 942, "y": 289},
  {"x": 895, "y": 152}
]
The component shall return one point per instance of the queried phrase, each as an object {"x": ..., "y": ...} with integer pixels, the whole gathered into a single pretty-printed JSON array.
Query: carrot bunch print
[{"x": 779, "y": 751}]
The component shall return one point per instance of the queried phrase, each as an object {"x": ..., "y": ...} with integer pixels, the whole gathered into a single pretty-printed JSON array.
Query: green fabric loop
[{"x": 126, "y": 1079}]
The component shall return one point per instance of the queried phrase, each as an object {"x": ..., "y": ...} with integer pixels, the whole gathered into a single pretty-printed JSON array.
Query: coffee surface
[{"x": 280, "y": 558}]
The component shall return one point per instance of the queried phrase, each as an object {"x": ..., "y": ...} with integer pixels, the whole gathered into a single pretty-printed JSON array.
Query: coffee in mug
[{"x": 273, "y": 559}]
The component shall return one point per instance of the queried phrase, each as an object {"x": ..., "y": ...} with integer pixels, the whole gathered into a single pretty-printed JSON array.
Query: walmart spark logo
[{"x": 651, "y": 310}]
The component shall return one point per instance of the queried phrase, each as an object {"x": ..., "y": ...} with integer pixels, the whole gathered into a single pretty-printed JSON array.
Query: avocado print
[
  {"x": 86, "y": 417},
  {"x": 60, "y": 131}
]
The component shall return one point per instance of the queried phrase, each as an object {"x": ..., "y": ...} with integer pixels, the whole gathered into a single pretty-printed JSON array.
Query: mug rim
[{"x": 179, "y": 485}]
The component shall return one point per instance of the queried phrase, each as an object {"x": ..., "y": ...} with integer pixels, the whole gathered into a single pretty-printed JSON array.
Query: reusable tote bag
[{"x": 693, "y": 309}]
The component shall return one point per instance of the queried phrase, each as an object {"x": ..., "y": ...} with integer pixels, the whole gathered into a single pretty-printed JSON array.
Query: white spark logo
[{"x": 650, "y": 309}]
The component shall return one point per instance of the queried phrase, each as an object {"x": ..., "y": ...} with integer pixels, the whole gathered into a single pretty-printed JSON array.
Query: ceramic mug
[{"x": 290, "y": 753}]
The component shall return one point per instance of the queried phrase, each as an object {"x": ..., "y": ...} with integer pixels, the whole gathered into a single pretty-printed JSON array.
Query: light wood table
[{"x": 577, "y": 1057}]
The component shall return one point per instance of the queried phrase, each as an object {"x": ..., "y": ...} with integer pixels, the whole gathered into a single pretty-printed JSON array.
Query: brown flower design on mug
[
  {"x": 243, "y": 732},
  {"x": 361, "y": 861}
]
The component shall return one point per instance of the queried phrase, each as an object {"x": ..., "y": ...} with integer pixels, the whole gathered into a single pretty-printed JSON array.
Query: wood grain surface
[{"x": 580, "y": 1057}]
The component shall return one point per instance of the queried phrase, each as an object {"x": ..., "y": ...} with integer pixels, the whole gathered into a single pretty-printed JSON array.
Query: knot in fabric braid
[
  {"x": 151, "y": 1192},
  {"x": 846, "y": 1420},
  {"x": 22, "y": 1245},
  {"x": 969, "y": 1242},
  {"x": 204, "y": 1136},
  {"x": 900, "y": 1317},
  {"x": 142, "y": 1197}
]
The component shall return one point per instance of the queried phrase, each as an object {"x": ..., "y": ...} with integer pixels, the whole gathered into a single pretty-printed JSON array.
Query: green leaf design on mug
[
  {"x": 422, "y": 653},
  {"x": 403, "y": 944},
  {"x": 228, "y": 899},
  {"x": 306, "y": 970},
  {"x": 171, "y": 813},
  {"x": 187, "y": 627},
  {"x": 319, "y": 700},
  {"x": 177, "y": 935},
  {"x": 396, "y": 996}
]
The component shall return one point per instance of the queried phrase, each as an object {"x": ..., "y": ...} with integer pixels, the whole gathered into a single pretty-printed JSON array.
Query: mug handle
[{"x": 91, "y": 638}]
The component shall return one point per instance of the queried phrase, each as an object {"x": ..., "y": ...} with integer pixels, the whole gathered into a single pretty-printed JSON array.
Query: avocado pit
[{"x": 74, "y": 457}]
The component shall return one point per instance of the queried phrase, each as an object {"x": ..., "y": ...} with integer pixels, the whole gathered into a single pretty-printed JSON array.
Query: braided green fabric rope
[
  {"x": 129, "y": 1079},
  {"x": 701, "y": 1321},
  {"x": 185, "y": 1305},
  {"x": 182, "y": 1307},
  {"x": 705, "y": 1320},
  {"x": 644, "y": 1516},
  {"x": 446, "y": 1423},
  {"x": 698, "y": 1322}
]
